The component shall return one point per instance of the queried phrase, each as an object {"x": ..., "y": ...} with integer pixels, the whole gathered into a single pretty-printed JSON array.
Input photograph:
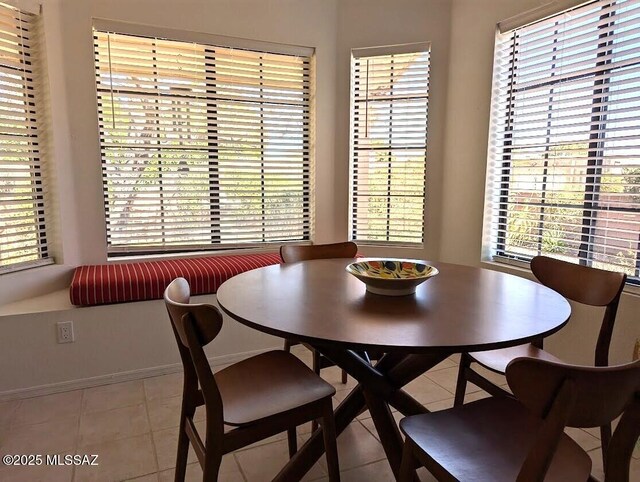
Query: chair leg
[
  {"x": 293, "y": 441},
  {"x": 212, "y": 462},
  {"x": 344, "y": 376},
  {"x": 330, "y": 445},
  {"x": 407, "y": 467},
  {"x": 316, "y": 369},
  {"x": 316, "y": 362},
  {"x": 183, "y": 452},
  {"x": 461, "y": 384},
  {"x": 605, "y": 438},
  {"x": 287, "y": 346}
]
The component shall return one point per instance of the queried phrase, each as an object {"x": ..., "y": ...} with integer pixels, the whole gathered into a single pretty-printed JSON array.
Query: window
[
  {"x": 564, "y": 174},
  {"x": 389, "y": 100},
  {"x": 23, "y": 239},
  {"x": 203, "y": 146}
]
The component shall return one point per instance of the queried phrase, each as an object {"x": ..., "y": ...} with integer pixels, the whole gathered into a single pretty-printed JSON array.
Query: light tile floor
[{"x": 132, "y": 426}]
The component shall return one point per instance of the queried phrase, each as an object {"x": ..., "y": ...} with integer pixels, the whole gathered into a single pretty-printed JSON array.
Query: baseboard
[{"x": 119, "y": 377}]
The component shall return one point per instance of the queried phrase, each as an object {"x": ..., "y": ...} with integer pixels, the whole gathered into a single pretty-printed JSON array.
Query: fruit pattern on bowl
[
  {"x": 389, "y": 269},
  {"x": 391, "y": 277}
]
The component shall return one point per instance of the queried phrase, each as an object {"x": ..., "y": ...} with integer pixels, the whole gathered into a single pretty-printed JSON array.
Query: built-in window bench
[
  {"x": 114, "y": 341},
  {"x": 138, "y": 281}
]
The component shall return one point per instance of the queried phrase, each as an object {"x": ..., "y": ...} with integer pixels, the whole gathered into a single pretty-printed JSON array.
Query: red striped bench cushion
[{"x": 119, "y": 283}]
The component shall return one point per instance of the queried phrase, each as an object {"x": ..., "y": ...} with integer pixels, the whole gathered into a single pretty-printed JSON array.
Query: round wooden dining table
[{"x": 461, "y": 309}]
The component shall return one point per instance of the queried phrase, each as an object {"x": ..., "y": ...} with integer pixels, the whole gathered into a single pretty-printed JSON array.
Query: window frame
[
  {"x": 36, "y": 115},
  {"x": 212, "y": 41},
  {"x": 367, "y": 52},
  {"x": 595, "y": 151}
]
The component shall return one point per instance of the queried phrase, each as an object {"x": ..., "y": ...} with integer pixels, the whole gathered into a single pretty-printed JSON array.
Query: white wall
[
  {"x": 130, "y": 340},
  {"x": 473, "y": 30},
  {"x": 370, "y": 23}
]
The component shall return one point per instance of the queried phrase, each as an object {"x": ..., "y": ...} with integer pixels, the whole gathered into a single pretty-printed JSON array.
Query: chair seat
[
  {"x": 477, "y": 442},
  {"x": 497, "y": 360},
  {"x": 268, "y": 384}
]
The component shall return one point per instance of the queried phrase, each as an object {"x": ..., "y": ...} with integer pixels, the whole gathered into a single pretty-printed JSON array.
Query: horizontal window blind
[
  {"x": 23, "y": 239},
  {"x": 203, "y": 147},
  {"x": 389, "y": 106},
  {"x": 564, "y": 176}
]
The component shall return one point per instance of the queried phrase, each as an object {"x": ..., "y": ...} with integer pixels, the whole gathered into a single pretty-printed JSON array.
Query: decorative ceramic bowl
[{"x": 391, "y": 277}]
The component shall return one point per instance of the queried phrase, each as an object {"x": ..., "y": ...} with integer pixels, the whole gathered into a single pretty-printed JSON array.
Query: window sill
[
  {"x": 27, "y": 266},
  {"x": 508, "y": 268},
  {"x": 373, "y": 244},
  {"x": 193, "y": 254},
  {"x": 516, "y": 269},
  {"x": 50, "y": 302}
]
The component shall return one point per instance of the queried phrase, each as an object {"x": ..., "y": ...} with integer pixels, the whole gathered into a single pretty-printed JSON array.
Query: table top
[{"x": 461, "y": 309}]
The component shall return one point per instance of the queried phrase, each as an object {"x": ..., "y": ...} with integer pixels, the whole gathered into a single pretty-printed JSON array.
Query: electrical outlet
[{"x": 65, "y": 332}]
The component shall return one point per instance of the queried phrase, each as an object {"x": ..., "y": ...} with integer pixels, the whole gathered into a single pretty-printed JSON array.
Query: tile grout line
[
  {"x": 438, "y": 385},
  {"x": 301, "y": 441},
  {"x": 374, "y": 435},
  {"x": 153, "y": 440},
  {"x": 76, "y": 445},
  {"x": 121, "y": 438},
  {"x": 235, "y": 459},
  {"x": 15, "y": 414},
  {"x": 6, "y": 431},
  {"x": 363, "y": 465},
  {"x": 126, "y": 405}
]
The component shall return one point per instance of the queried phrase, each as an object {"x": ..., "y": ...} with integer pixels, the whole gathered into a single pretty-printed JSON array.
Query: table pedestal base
[{"x": 378, "y": 387}]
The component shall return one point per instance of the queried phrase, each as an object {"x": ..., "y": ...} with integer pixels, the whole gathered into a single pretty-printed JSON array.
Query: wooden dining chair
[
  {"x": 523, "y": 439},
  {"x": 258, "y": 397},
  {"x": 292, "y": 254},
  {"x": 582, "y": 284}
]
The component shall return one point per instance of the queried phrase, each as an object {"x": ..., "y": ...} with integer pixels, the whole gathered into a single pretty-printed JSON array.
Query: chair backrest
[
  {"x": 205, "y": 319},
  {"x": 589, "y": 286},
  {"x": 602, "y": 393},
  {"x": 194, "y": 326},
  {"x": 578, "y": 396},
  {"x": 293, "y": 253}
]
